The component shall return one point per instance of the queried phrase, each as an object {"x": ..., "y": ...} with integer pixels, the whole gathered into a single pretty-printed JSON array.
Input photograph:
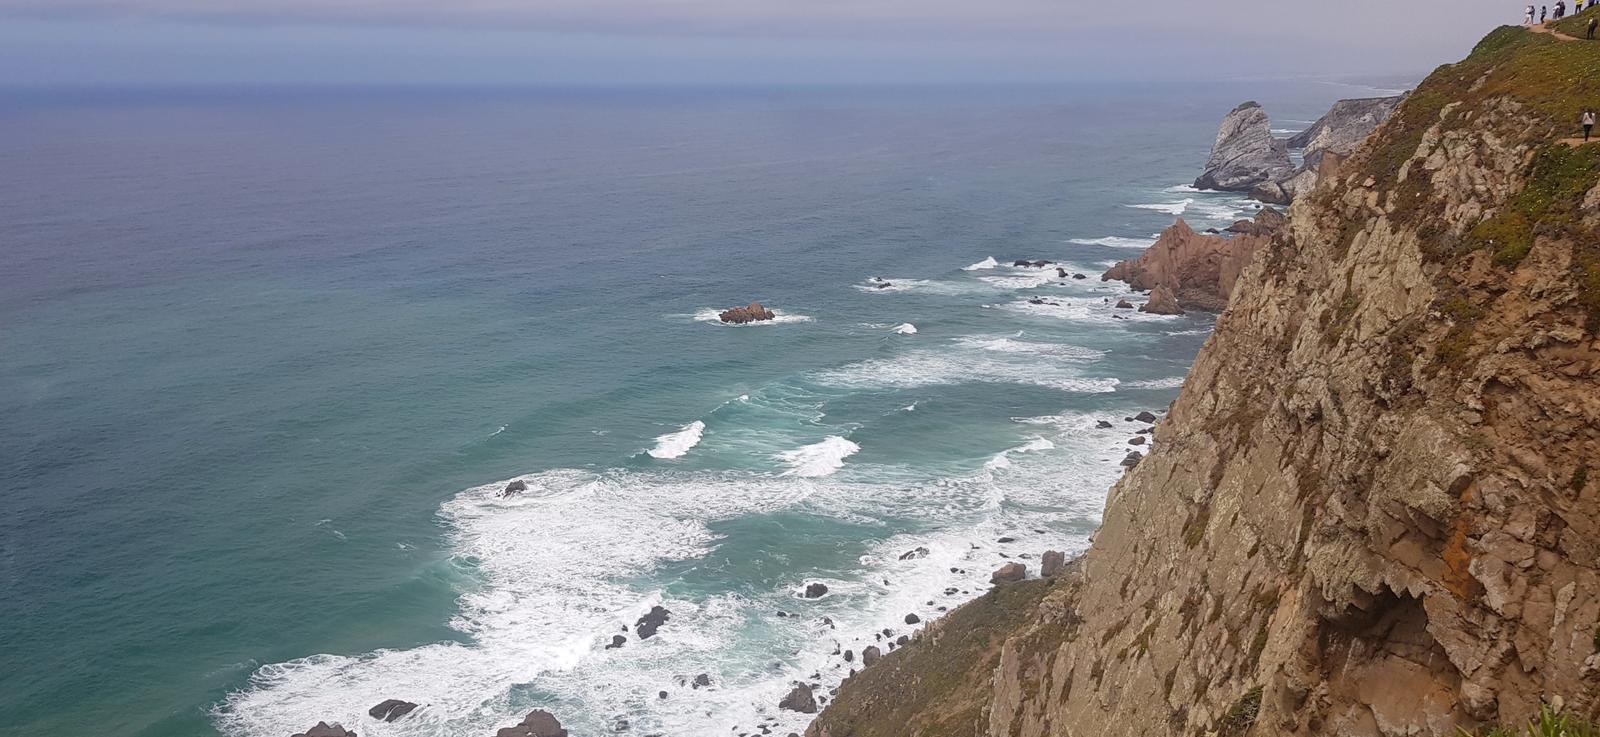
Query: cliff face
[
  {"x": 1245, "y": 153},
  {"x": 1199, "y": 270},
  {"x": 1333, "y": 137},
  {"x": 1375, "y": 507}
]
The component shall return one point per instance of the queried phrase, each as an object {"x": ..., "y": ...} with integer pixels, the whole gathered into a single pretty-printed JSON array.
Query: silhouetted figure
[
  {"x": 1593, "y": 24},
  {"x": 1587, "y": 119}
]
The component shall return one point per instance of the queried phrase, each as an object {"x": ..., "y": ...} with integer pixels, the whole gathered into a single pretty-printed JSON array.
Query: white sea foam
[
  {"x": 987, "y": 263},
  {"x": 819, "y": 459},
  {"x": 1172, "y": 382},
  {"x": 940, "y": 366},
  {"x": 713, "y": 315},
  {"x": 905, "y": 328},
  {"x": 1118, "y": 242},
  {"x": 1170, "y": 208},
  {"x": 675, "y": 444}
]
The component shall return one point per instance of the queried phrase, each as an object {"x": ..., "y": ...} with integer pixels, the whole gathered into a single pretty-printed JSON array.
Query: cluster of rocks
[
  {"x": 324, "y": 729},
  {"x": 753, "y": 312}
]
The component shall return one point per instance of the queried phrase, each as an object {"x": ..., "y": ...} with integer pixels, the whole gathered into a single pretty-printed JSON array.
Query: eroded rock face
[
  {"x": 1198, "y": 270},
  {"x": 1345, "y": 127},
  {"x": 801, "y": 699},
  {"x": 1162, "y": 302},
  {"x": 754, "y": 312},
  {"x": 1373, "y": 510},
  {"x": 1245, "y": 154}
]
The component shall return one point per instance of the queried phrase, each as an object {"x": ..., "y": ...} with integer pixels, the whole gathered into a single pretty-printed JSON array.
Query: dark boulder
[
  {"x": 702, "y": 681},
  {"x": 919, "y": 552},
  {"x": 1132, "y": 459},
  {"x": 517, "y": 486},
  {"x": 1136, "y": 440},
  {"x": 870, "y": 655},
  {"x": 648, "y": 624},
  {"x": 1009, "y": 573},
  {"x": 1145, "y": 416},
  {"x": 912, "y": 619},
  {"x": 324, "y": 729},
  {"x": 1052, "y": 563},
  {"x": 538, "y": 723},
  {"x": 816, "y": 590},
  {"x": 1080, "y": 277},
  {"x": 1103, "y": 425},
  {"x": 391, "y": 709},
  {"x": 754, "y": 312},
  {"x": 1123, "y": 304},
  {"x": 800, "y": 699},
  {"x": 616, "y": 642}
]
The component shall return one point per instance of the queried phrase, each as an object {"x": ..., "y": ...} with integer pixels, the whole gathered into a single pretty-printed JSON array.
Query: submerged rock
[
  {"x": 391, "y": 709},
  {"x": 652, "y": 620},
  {"x": 538, "y": 723},
  {"x": 754, "y": 312},
  {"x": 1103, "y": 425},
  {"x": 918, "y": 552},
  {"x": 801, "y": 699},
  {"x": 1009, "y": 573}
]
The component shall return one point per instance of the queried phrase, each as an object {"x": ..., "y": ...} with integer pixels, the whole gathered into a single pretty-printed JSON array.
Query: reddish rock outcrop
[
  {"x": 1162, "y": 302},
  {"x": 1199, "y": 270},
  {"x": 753, "y": 312}
]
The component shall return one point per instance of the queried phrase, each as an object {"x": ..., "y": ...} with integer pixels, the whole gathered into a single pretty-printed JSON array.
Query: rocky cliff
[
  {"x": 1245, "y": 154},
  {"x": 1326, "y": 143},
  {"x": 1198, "y": 270},
  {"x": 1375, "y": 507}
]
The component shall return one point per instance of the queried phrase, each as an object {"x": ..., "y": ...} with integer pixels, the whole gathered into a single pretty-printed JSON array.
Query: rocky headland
[
  {"x": 1247, "y": 157},
  {"x": 1246, "y": 154},
  {"x": 1373, "y": 510},
  {"x": 1189, "y": 270}
]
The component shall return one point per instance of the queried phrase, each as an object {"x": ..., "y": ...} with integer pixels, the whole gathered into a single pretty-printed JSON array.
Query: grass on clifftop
[{"x": 1549, "y": 723}]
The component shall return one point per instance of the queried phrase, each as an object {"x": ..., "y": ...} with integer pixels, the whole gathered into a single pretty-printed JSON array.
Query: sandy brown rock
[{"x": 754, "y": 312}]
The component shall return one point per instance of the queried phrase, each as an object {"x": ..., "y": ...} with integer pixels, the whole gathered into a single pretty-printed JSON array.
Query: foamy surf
[
  {"x": 1113, "y": 241},
  {"x": 904, "y": 328},
  {"x": 987, "y": 263},
  {"x": 676, "y": 444},
  {"x": 819, "y": 459}
]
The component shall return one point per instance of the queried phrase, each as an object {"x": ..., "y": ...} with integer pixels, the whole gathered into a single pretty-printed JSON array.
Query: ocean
[{"x": 267, "y": 359}]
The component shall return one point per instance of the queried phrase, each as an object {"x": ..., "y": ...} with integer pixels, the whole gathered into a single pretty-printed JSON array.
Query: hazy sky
[{"x": 578, "y": 42}]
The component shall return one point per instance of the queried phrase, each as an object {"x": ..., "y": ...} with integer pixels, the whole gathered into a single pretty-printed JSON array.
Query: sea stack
[
  {"x": 1199, "y": 271},
  {"x": 1245, "y": 153}
]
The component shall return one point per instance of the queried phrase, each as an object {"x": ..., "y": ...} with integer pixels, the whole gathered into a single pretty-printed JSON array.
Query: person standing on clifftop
[
  {"x": 1527, "y": 18},
  {"x": 1593, "y": 24},
  {"x": 1587, "y": 119},
  {"x": 1544, "y": 12}
]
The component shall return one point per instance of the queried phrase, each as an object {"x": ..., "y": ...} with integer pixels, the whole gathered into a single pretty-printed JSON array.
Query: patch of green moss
[
  {"x": 1580, "y": 479},
  {"x": 1549, "y": 723},
  {"x": 1558, "y": 177}
]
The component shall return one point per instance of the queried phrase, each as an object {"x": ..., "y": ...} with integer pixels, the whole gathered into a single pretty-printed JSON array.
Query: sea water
[{"x": 267, "y": 361}]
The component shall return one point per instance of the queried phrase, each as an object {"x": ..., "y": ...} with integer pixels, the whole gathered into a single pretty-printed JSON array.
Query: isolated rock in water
[
  {"x": 1123, "y": 304},
  {"x": 883, "y": 285},
  {"x": 816, "y": 590},
  {"x": 1052, "y": 563},
  {"x": 918, "y": 552},
  {"x": 1132, "y": 459},
  {"x": 913, "y": 619},
  {"x": 754, "y": 312},
  {"x": 1162, "y": 302},
  {"x": 391, "y": 709},
  {"x": 1009, "y": 573},
  {"x": 1245, "y": 153},
  {"x": 648, "y": 624},
  {"x": 538, "y": 723},
  {"x": 800, "y": 699},
  {"x": 1103, "y": 425},
  {"x": 1061, "y": 273},
  {"x": 517, "y": 486},
  {"x": 1136, "y": 441},
  {"x": 616, "y": 642},
  {"x": 1145, "y": 416},
  {"x": 1080, "y": 276},
  {"x": 324, "y": 729},
  {"x": 870, "y": 655},
  {"x": 905, "y": 328},
  {"x": 702, "y": 681}
]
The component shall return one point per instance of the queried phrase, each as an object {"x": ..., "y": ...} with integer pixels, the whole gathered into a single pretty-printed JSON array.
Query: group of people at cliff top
[{"x": 1561, "y": 12}]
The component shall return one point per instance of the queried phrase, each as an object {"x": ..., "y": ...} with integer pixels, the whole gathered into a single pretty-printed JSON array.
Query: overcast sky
[{"x": 46, "y": 43}]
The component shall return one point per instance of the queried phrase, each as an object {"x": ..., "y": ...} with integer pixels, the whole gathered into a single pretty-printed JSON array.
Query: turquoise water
[{"x": 267, "y": 360}]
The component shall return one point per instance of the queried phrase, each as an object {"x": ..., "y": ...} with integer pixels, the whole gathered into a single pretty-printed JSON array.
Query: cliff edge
[{"x": 1375, "y": 507}]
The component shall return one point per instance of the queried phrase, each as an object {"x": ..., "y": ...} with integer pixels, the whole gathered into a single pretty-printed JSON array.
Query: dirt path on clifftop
[{"x": 1545, "y": 28}]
